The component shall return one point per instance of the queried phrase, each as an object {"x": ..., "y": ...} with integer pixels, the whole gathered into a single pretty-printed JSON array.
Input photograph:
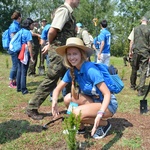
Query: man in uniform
[
  {"x": 140, "y": 53},
  {"x": 35, "y": 50},
  {"x": 83, "y": 35},
  {"x": 62, "y": 27},
  {"x": 44, "y": 26}
]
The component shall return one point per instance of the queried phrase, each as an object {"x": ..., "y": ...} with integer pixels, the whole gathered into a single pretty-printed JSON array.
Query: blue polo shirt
[
  {"x": 87, "y": 78},
  {"x": 26, "y": 35},
  {"x": 14, "y": 27},
  {"x": 97, "y": 46},
  {"x": 45, "y": 32},
  {"x": 106, "y": 37}
]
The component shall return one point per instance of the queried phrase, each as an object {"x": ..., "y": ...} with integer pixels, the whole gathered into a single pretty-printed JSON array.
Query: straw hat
[{"x": 74, "y": 42}]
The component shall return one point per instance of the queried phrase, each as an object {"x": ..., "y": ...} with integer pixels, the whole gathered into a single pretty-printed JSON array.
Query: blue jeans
[
  {"x": 21, "y": 76},
  {"x": 13, "y": 71}
]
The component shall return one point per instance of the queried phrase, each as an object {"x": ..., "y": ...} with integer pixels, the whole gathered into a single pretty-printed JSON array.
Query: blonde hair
[{"x": 74, "y": 88}]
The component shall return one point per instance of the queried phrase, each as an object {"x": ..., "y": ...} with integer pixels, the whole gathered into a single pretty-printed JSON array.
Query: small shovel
[
  {"x": 143, "y": 103},
  {"x": 44, "y": 127}
]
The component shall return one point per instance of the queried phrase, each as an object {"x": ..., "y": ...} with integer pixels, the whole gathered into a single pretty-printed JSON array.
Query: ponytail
[{"x": 74, "y": 88}]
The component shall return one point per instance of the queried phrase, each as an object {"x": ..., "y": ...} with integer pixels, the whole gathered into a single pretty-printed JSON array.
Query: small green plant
[
  {"x": 7, "y": 63},
  {"x": 71, "y": 125}
]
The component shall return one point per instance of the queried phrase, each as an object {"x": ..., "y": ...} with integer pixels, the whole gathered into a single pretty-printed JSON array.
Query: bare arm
[
  {"x": 56, "y": 93},
  {"x": 29, "y": 44},
  {"x": 130, "y": 49},
  {"x": 107, "y": 95},
  {"x": 35, "y": 34},
  {"x": 101, "y": 49}
]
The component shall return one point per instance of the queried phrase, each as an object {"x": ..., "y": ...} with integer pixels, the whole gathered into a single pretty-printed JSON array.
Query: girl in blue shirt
[
  {"x": 26, "y": 39},
  {"x": 94, "y": 99},
  {"x": 13, "y": 29}
]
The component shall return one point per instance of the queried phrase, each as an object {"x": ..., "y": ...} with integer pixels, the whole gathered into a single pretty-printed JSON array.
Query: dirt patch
[{"x": 124, "y": 126}]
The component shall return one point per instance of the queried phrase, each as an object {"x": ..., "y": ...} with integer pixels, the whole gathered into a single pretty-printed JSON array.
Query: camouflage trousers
[
  {"x": 32, "y": 65},
  {"x": 55, "y": 70},
  {"x": 139, "y": 61}
]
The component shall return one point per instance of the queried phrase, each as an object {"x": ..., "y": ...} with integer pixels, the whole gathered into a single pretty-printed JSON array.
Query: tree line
[{"x": 122, "y": 16}]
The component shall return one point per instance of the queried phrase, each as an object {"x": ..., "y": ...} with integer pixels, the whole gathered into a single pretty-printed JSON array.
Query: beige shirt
[
  {"x": 131, "y": 36},
  {"x": 85, "y": 37},
  {"x": 61, "y": 17}
]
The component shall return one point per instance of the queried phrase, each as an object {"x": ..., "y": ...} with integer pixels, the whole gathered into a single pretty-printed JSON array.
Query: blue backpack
[
  {"x": 5, "y": 39},
  {"x": 111, "y": 78},
  {"x": 16, "y": 42}
]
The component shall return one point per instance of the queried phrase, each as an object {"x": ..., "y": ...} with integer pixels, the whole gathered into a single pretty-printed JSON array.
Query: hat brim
[{"x": 62, "y": 49}]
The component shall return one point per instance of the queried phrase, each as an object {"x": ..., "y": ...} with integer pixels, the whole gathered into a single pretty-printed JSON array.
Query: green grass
[{"x": 20, "y": 132}]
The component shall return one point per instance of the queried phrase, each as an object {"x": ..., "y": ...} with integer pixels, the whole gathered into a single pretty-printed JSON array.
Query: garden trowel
[{"x": 143, "y": 102}]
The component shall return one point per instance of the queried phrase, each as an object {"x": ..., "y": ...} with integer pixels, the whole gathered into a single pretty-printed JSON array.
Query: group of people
[
  {"x": 68, "y": 49},
  {"x": 31, "y": 35},
  {"x": 18, "y": 71}
]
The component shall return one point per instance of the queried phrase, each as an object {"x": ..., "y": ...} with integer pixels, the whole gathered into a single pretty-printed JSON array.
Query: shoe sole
[
  {"x": 33, "y": 117},
  {"x": 100, "y": 137}
]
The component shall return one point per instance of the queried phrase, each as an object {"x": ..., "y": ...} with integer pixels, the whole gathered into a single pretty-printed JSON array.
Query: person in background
[
  {"x": 42, "y": 56},
  {"x": 13, "y": 29},
  {"x": 43, "y": 24},
  {"x": 94, "y": 95},
  {"x": 140, "y": 54},
  {"x": 83, "y": 34},
  {"x": 104, "y": 38},
  {"x": 35, "y": 51},
  {"x": 26, "y": 38},
  {"x": 44, "y": 41},
  {"x": 62, "y": 27},
  {"x": 96, "y": 47}
]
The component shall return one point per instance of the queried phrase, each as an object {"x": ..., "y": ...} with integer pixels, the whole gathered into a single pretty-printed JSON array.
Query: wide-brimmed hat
[{"x": 74, "y": 42}]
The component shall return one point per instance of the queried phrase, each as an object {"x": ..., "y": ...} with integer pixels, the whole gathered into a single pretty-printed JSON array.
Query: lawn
[{"x": 130, "y": 129}]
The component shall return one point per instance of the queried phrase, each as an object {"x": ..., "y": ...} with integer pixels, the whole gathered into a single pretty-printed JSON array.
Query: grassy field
[{"x": 17, "y": 131}]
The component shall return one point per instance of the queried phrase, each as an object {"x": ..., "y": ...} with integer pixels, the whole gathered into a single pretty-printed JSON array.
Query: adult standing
[
  {"x": 42, "y": 56},
  {"x": 83, "y": 34},
  {"x": 62, "y": 27},
  {"x": 13, "y": 29},
  {"x": 104, "y": 38},
  {"x": 44, "y": 41},
  {"x": 140, "y": 52},
  {"x": 35, "y": 51}
]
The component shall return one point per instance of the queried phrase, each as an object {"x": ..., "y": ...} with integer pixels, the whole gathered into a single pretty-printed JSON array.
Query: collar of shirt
[
  {"x": 16, "y": 22},
  {"x": 69, "y": 7}
]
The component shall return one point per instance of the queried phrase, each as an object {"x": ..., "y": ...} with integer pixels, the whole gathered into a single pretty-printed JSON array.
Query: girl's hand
[
  {"x": 96, "y": 124},
  {"x": 55, "y": 111}
]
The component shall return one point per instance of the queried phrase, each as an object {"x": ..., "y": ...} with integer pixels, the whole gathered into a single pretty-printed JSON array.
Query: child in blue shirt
[
  {"x": 94, "y": 99},
  {"x": 13, "y": 29},
  {"x": 26, "y": 39}
]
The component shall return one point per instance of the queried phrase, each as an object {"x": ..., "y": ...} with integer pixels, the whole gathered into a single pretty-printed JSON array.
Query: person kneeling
[{"x": 95, "y": 102}]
